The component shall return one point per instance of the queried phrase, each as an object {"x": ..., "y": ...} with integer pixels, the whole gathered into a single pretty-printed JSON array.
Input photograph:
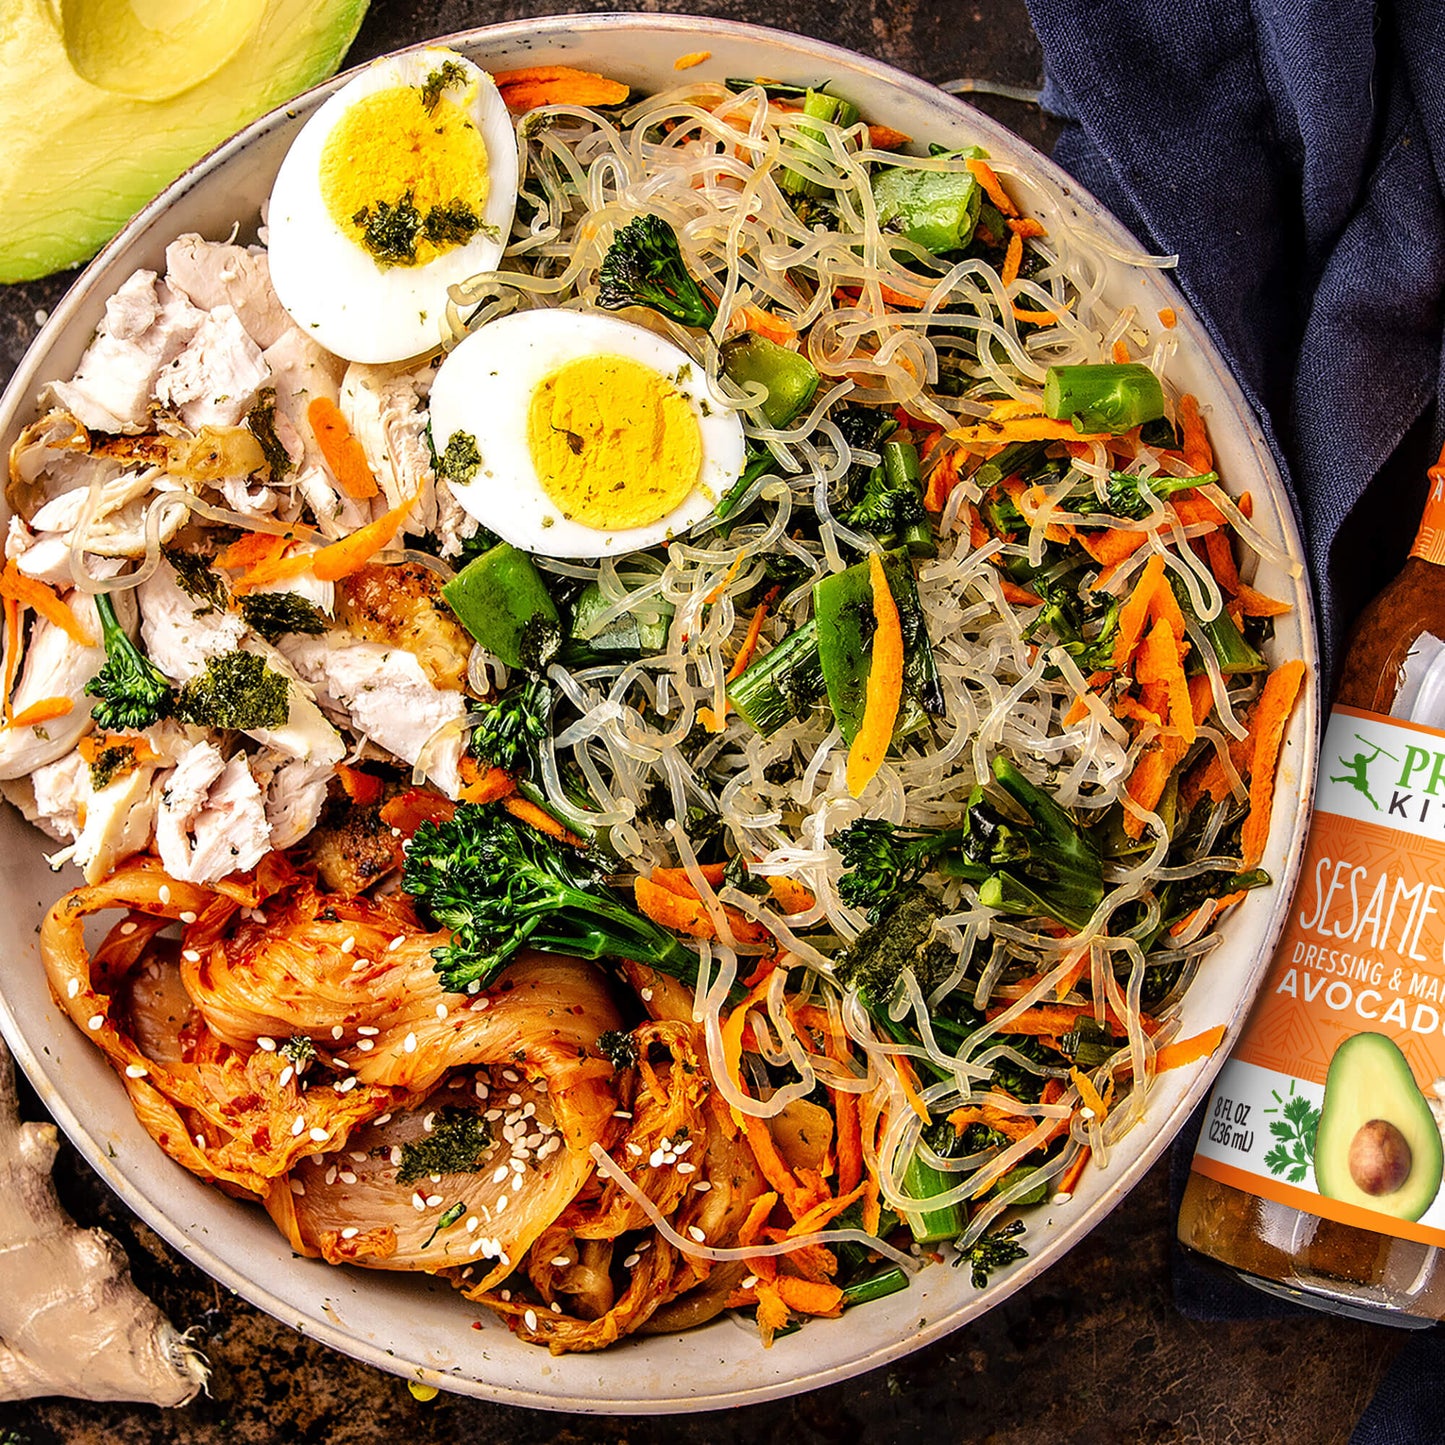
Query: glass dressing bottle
[{"x": 1319, "y": 1166}]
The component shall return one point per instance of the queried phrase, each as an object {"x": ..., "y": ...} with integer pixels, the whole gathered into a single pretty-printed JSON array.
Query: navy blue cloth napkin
[{"x": 1291, "y": 152}]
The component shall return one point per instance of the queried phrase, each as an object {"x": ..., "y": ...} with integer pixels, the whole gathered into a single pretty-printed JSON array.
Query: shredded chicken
[
  {"x": 220, "y": 273},
  {"x": 215, "y": 378},
  {"x": 212, "y": 818}
]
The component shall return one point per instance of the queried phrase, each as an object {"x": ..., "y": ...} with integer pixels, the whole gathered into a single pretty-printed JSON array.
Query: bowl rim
[{"x": 1050, "y": 1247}]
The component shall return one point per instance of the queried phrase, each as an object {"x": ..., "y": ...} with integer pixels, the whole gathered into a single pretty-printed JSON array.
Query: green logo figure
[{"x": 1356, "y": 774}]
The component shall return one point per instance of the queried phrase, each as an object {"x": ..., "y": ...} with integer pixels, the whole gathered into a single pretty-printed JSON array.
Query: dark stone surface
[{"x": 1093, "y": 1352}]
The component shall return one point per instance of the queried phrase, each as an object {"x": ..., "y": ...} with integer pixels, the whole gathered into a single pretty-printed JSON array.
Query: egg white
[
  {"x": 329, "y": 284},
  {"x": 484, "y": 387}
]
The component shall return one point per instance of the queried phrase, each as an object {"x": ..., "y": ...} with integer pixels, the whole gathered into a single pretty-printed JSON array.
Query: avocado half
[
  {"x": 99, "y": 110},
  {"x": 1378, "y": 1145}
]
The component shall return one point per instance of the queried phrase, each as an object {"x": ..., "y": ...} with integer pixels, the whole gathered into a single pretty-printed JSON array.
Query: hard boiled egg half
[
  {"x": 575, "y": 434},
  {"x": 401, "y": 185}
]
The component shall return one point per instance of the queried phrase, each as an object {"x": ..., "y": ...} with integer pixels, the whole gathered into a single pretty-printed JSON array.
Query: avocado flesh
[
  {"x": 81, "y": 159},
  {"x": 1370, "y": 1079}
]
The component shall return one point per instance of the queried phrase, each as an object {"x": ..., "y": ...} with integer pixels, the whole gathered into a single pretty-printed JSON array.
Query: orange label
[
  {"x": 1333, "y": 1098},
  {"x": 1430, "y": 539}
]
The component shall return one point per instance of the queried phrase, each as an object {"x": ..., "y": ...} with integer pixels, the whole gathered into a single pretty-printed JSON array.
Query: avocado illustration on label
[{"x": 1378, "y": 1145}]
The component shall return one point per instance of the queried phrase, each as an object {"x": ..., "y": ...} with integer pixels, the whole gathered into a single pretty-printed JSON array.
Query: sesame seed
[
  {"x": 95, "y": 1021},
  {"x": 506, "y": 1296},
  {"x": 644, "y": 1246},
  {"x": 365, "y": 1045},
  {"x": 749, "y": 1282},
  {"x": 442, "y": 1010},
  {"x": 511, "y": 1076},
  {"x": 187, "y": 916},
  {"x": 190, "y": 955},
  {"x": 695, "y": 1233},
  {"x": 418, "y": 1203},
  {"x": 134, "y": 1071},
  {"x": 331, "y": 1175},
  {"x": 164, "y": 893},
  {"x": 409, "y": 1045},
  {"x": 530, "y": 1319},
  {"x": 429, "y": 1123},
  {"x": 686, "y": 1168},
  {"x": 561, "y": 1262},
  {"x": 347, "y": 1177},
  {"x": 655, "y": 1158},
  {"x": 684, "y": 1146},
  {"x": 268, "y": 1044},
  {"x": 633, "y": 1148},
  {"x": 127, "y": 929},
  {"x": 286, "y": 1076},
  {"x": 348, "y": 944},
  {"x": 647, "y": 995},
  {"x": 337, "y": 1032},
  {"x": 1086, "y": 1113},
  {"x": 432, "y": 1200},
  {"x": 298, "y": 1125},
  {"x": 701, "y": 1187},
  {"x": 367, "y": 1031},
  {"x": 631, "y": 1261},
  {"x": 72, "y": 988},
  {"x": 200, "y": 1141},
  {"x": 1062, "y": 1197},
  {"x": 621, "y": 1114},
  {"x": 297, "y": 1187},
  {"x": 499, "y": 1174},
  {"x": 474, "y": 1247},
  {"x": 480, "y": 1003},
  {"x": 319, "y": 1136},
  {"x": 350, "y": 1232},
  {"x": 359, "y": 965},
  {"x": 394, "y": 1154},
  {"x": 346, "y": 1085},
  {"x": 555, "y": 1308},
  {"x": 396, "y": 943},
  {"x": 501, "y": 1202},
  {"x": 473, "y": 1223},
  {"x": 514, "y": 1099}
]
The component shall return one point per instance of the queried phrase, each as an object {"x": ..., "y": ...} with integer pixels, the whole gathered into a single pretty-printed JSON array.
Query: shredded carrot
[
  {"x": 1090, "y": 1096},
  {"x": 1054, "y": 1020},
  {"x": 884, "y": 687},
  {"x": 790, "y": 896},
  {"x": 490, "y": 786},
  {"x": 1215, "y": 906},
  {"x": 1020, "y": 429},
  {"x": 30, "y": 592},
  {"x": 251, "y": 549},
  {"x": 908, "y": 1080},
  {"x": 692, "y": 58},
  {"x": 942, "y": 479},
  {"x": 850, "y": 1141},
  {"x": 44, "y": 711},
  {"x": 1012, "y": 260},
  {"x": 757, "y": 1216},
  {"x": 1135, "y": 612},
  {"x": 1121, "y": 351},
  {"x": 1188, "y": 1051},
  {"x": 407, "y": 811},
  {"x": 984, "y": 174},
  {"x": 885, "y": 138},
  {"x": 809, "y": 1298},
  {"x": 557, "y": 85},
  {"x": 1018, "y": 596},
  {"x": 1069, "y": 1179},
  {"x": 1108, "y": 549},
  {"x": 765, "y": 324},
  {"x": 1194, "y": 510},
  {"x": 750, "y": 642},
  {"x": 1012, "y": 1126},
  {"x": 1036, "y": 318},
  {"x": 1256, "y": 604},
  {"x": 12, "y": 651},
  {"x": 1197, "y": 453},
  {"x": 1027, "y": 227},
  {"x": 1161, "y": 660},
  {"x": 675, "y": 880},
  {"x": 1168, "y": 318},
  {"x": 526, "y": 811},
  {"x": 716, "y": 593},
  {"x": 1276, "y": 702},
  {"x": 343, "y": 454},
  {"x": 1030, "y": 404},
  {"x": 823, "y": 1213},
  {"x": 672, "y": 909},
  {"x": 774, "y": 1167},
  {"x": 1220, "y": 556},
  {"x": 1076, "y": 971},
  {"x": 333, "y": 562}
]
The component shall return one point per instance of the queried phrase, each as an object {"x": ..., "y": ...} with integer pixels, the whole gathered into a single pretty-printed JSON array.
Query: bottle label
[{"x": 1333, "y": 1099}]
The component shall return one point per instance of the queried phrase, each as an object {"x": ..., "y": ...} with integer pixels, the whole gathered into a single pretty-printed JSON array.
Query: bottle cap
[{"x": 1430, "y": 539}]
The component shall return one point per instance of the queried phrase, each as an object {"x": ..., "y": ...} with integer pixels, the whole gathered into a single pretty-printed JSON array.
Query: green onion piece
[
  {"x": 818, "y": 105},
  {"x": 878, "y": 1286},
  {"x": 1112, "y": 397}
]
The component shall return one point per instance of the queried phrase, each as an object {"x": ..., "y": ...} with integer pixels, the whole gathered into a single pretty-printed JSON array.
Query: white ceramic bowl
[{"x": 422, "y": 1329}]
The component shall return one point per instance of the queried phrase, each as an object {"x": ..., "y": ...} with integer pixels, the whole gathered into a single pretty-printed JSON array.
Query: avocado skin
[
  {"x": 1370, "y": 1078},
  {"x": 79, "y": 161}
]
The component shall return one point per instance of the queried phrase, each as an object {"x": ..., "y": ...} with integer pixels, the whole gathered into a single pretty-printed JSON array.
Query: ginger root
[{"x": 71, "y": 1320}]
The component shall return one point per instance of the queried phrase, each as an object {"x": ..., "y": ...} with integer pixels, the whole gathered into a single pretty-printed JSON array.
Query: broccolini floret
[
  {"x": 619, "y": 1047},
  {"x": 457, "y": 1144},
  {"x": 502, "y": 887},
  {"x": 511, "y": 728},
  {"x": 1030, "y": 859},
  {"x": 236, "y": 690},
  {"x": 644, "y": 267},
  {"x": 274, "y": 614},
  {"x": 993, "y": 1251},
  {"x": 133, "y": 691}
]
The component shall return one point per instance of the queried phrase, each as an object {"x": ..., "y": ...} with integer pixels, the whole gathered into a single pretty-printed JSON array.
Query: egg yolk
[
  {"x": 405, "y": 176},
  {"x": 614, "y": 442}
]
